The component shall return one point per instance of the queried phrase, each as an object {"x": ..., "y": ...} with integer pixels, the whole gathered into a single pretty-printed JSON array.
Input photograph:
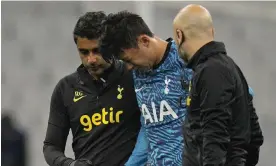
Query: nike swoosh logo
[
  {"x": 137, "y": 90},
  {"x": 77, "y": 99}
]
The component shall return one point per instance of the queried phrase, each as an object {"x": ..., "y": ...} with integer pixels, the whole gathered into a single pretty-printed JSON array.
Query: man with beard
[
  {"x": 98, "y": 104},
  {"x": 159, "y": 78},
  {"x": 221, "y": 127}
]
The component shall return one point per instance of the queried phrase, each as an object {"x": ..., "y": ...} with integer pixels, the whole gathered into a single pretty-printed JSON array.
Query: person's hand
[{"x": 81, "y": 163}]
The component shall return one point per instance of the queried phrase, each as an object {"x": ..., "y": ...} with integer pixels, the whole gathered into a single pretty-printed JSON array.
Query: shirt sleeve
[
  {"x": 214, "y": 87},
  {"x": 57, "y": 131},
  {"x": 139, "y": 154},
  {"x": 256, "y": 134}
]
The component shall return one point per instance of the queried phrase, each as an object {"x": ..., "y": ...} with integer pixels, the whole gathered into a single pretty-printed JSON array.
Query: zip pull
[
  {"x": 103, "y": 80},
  {"x": 104, "y": 83},
  {"x": 98, "y": 102}
]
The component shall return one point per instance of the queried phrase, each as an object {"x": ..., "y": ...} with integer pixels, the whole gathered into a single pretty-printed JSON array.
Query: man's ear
[
  {"x": 213, "y": 32},
  {"x": 144, "y": 40},
  {"x": 179, "y": 36}
]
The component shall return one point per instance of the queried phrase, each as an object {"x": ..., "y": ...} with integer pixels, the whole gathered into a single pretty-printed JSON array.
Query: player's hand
[{"x": 81, "y": 162}]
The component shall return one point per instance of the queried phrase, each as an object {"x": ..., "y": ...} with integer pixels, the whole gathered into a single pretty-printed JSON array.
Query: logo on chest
[
  {"x": 165, "y": 110},
  {"x": 78, "y": 96},
  {"x": 188, "y": 100},
  {"x": 104, "y": 117},
  {"x": 120, "y": 90},
  {"x": 167, "y": 82}
]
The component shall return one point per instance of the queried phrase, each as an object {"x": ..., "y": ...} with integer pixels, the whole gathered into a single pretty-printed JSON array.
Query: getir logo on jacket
[{"x": 104, "y": 118}]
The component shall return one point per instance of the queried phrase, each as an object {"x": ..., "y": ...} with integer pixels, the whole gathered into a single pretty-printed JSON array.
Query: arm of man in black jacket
[
  {"x": 214, "y": 87},
  {"x": 57, "y": 131},
  {"x": 256, "y": 135}
]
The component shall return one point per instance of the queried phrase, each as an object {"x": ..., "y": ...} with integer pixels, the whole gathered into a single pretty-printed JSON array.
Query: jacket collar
[{"x": 204, "y": 52}]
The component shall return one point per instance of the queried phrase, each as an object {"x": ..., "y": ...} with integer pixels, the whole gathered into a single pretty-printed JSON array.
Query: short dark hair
[
  {"x": 121, "y": 32},
  {"x": 89, "y": 26}
]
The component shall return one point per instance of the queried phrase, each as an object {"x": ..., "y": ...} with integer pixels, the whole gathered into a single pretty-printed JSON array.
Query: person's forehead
[
  {"x": 87, "y": 43},
  {"x": 131, "y": 51},
  {"x": 128, "y": 54}
]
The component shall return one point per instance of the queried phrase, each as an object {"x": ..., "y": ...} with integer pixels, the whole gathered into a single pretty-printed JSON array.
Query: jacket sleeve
[
  {"x": 57, "y": 131},
  {"x": 214, "y": 87},
  {"x": 139, "y": 154},
  {"x": 256, "y": 134}
]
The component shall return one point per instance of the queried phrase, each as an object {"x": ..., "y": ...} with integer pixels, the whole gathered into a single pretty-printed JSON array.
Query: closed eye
[
  {"x": 96, "y": 51},
  {"x": 84, "y": 51},
  {"x": 125, "y": 59}
]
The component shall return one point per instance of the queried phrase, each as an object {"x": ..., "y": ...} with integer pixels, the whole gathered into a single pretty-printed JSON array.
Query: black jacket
[
  {"x": 221, "y": 126},
  {"x": 103, "y": 116}
]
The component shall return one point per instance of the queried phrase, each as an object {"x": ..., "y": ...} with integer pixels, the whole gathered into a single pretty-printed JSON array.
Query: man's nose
[
  {"x": 91, "y": 58},
  {"x": 129, "y": 66}
]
